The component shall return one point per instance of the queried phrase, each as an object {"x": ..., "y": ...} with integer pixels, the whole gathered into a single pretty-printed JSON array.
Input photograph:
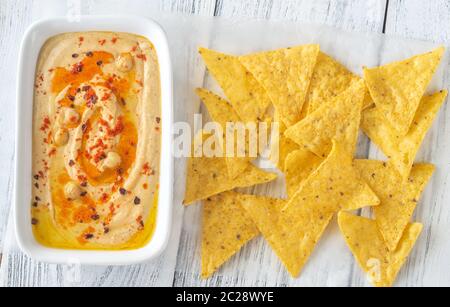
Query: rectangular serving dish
[{"x": 34, "y": 38}]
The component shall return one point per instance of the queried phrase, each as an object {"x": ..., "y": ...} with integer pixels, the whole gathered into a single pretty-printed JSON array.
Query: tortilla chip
[
  {"x": 293, "y": 237},
  {"x": 246, "y": 95},
  {"x": 226, "y": 229},
  {"x": 207, "y": 177},
  {"x": 398, "y": 88},
  {"x": 299, "y": 165},
  {"x": 335, "y": 185},
  {"x": 402, "y": 151},
  {"x": 330, "y": 79},
  {"x": 368, "y": 247},
  {"x": 285, "y": 146},
  {"x": 286, "y": 75},
  {"x": 338, "y": 119},
  {"x": 398, "y": 198},
  {"x": 222, "y": 113}
]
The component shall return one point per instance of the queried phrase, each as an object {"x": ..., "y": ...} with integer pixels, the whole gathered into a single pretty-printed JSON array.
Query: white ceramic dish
[{"x": 32, "y": 43}]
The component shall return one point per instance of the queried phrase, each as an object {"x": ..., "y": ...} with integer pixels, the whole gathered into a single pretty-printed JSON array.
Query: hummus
[{"x": 96, "y": 141}]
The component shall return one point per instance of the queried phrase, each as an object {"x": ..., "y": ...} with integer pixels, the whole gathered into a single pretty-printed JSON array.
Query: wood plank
[
  {"x": 245, "y": 268},
  {"x": 14, "y": 18},
  {"x": 428, "y": 265}
]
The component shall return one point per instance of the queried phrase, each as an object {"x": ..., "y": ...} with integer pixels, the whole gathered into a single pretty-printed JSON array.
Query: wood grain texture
[
  {"x": 179, "y": 265},
  {"x": 14, "y": 18}
]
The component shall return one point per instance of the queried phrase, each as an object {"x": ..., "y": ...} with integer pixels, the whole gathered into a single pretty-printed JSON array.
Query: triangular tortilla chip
[
  {"x": 368, "y": 247},
  {"x": 402, "y": 151},
  {"x": 338, "y": 119},
  {"x": 279, "y": 154},
  {"x": 299, "y": 165},
  {"x": 222, "y": 113},
  {"x": 246, "y": 95},
  {"x": 335, "y": 185},
  {"x": 330, "y": 79},
  {"x": 286, "y": 75},
  {"x": 398, "y": 88},
  {"x": 398, "y": 198},
  {"x": 293, "y": 228},
  {"x": 226, "y": 229},
  {"x": 292, "y": 237},
  {"x": 207, "y": 177}
]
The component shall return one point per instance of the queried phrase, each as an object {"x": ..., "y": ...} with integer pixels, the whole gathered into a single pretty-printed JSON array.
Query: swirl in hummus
[{"x": 96, "y": 141}]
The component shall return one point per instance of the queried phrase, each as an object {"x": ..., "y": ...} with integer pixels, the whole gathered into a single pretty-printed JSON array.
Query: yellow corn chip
[
  {"x": 286, "y": 75},
  {"x": 293, "y": 237},
  {"x": 335, "y": 185},
  {"x": 246, "y": 95},
  {"x": 293, "y": 230},
  {"x": 330, "y": 79},
  {"x": 402, "y": 151},
  {"x": 207, "y": 177},
  {"x": 368, "y": 247},
  {"x": 222, "y": 113},
  {"x": 299, "y": 165},
  {"x": 226, "y": 229},
  {"x": 398, "y": 198},
  {"x": 285, "y": 146},
  {"x": 338, "y": 119},
  {"x": 398, "y": 88}
]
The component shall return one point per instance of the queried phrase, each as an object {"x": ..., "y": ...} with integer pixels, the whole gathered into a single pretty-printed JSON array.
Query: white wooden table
[{"x": 429, "y": 264}]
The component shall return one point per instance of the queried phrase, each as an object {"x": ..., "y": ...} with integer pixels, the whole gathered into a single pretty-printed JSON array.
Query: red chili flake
[
  {"x": 102, "y": 42},
  {"x": 104, "y": 197},
  {"x": 134, "y": 48},
  {"x": 75, "y": 55},
  {"x": 52, "y": 152},
  {"x": 83, "y": 194},
  {"x": 106, "y": 230},
  {"x": 84, "y": 128},
  {"x": 89, "y": 54},
  {"x": 86, "y": 88},
  {"x": 36, "y": 177},
  {"x": 88, "y": 236},
  {"x": 137, "y": 201},
  {"x": 142, "y": 57},
  {"x": 34, "y": 221},
  {"x": 106, "y": 96},
  {"x": 71, "y": 163},
  {"x": 114, "y": 40},
  {"x": 71, "y": 97},
  {"x": 77, "y": 68},
  {"x": 118, "y": 129},
  {"x": 99, "y": 63},
  {"x": 145, "y": 186},
  {"x": 146, "y": 169},
  {"x": 122, "y": 191},
  {"x": 158, "y": 120},
  {"x": 45, "y": 124},
  {"x": 95, "y": 217},
  {"x": 81, "y": 40}
]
